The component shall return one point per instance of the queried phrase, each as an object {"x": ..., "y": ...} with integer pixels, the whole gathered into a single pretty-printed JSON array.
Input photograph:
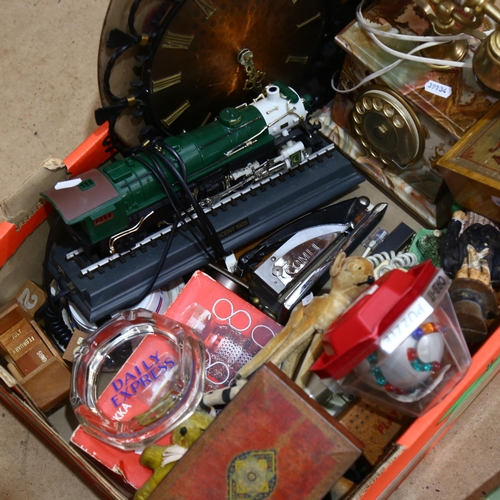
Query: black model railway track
[{"x": 100, "y": 287}]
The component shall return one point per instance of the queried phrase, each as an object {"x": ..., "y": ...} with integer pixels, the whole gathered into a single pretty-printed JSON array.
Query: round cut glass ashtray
[{"x": 136, "y": 378}]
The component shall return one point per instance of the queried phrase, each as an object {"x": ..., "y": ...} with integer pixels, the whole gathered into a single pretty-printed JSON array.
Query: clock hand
[{"x": 254, "y": 76}]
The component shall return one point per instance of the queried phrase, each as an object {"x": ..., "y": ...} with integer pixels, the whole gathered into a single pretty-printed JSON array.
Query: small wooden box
[
  {"x": 471, "y": 168},
  {"x": 23, "y": 345},
  {"x": 31, "y": 357},
  {"x": 31, "y": 297},
  {"x": 272, "y": 441}
]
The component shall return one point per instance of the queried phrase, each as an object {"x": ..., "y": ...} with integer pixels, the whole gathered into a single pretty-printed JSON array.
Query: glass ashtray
[{"x": 136, "y": 378}]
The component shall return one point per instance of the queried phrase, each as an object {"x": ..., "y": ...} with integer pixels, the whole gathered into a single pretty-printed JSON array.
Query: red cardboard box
[{"x": 407, "y": 451}]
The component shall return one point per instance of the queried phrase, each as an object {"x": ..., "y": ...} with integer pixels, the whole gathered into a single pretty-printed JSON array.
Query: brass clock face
[
  {"x": 198, "y": 65},
  {"x": 205, "y": 55}
]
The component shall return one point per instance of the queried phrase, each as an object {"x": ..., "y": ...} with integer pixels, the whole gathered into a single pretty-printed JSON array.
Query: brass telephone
[
  {"x": 417, "y": 75},
  {"x": 451, "y": 17}
]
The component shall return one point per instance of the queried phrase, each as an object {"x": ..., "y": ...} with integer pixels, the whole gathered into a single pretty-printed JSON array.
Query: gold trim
[
  {"x": 205, "y": 7},
  {"x": 317, "y": 16},
  {"x": 165, "y": 83},
  {"x": 297, "y": 59},
  {"x": 177, "y": 41},
  {"x": 178, "y": 112}
]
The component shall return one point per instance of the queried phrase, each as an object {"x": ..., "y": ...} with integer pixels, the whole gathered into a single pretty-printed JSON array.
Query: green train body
[{"x": 114, "y": 198}]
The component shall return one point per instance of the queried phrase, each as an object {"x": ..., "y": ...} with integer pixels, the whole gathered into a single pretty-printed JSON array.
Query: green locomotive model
[{"x": 114, "y": 203}]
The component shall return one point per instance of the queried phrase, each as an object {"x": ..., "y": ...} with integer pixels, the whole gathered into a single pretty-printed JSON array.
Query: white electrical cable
[
  {"x": 400, "y": 36},
  {"x": 418, "y": 38},
  {"x": 430, "y": 41},
  {"x": 408, "y": 56},
  {"x": 380, "y": 72}
]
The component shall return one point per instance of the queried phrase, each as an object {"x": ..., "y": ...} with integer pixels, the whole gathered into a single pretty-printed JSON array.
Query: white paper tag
[
  {"x": 68, "y": 184},
  {"x": 307, "y": 299},
  {"x": 496, "y": 200},
  {"x": 405, "y": 325},
  {"x": 438, "y": 89},
  {"x": 437, "y": 288},
  {"x": 231, "y": 262}
]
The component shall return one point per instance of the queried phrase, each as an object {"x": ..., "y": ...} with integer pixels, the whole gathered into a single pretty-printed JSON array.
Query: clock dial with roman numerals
[
  {"x": 201, "y": 56},
  {"x": 210, "y": 54}
]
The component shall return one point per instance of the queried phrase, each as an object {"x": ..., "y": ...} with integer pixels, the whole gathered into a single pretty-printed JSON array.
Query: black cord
[
  {"x": 55, "y": 326},
  {"x": 177, "y": 156},
  {"x": 135, "y": 39},
  {"x": 207, "y": 227},
  {"x": 131, "y": 17},
  {"x": 166, "y": 186},
  {"x": 175, "y": 202},
  {"x": 107, "y": 72}
]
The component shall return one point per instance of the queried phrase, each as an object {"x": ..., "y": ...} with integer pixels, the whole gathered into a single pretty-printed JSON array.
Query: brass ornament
[
  {"x": 388, "y": 127},
  {"x": 486, "y": 63}
]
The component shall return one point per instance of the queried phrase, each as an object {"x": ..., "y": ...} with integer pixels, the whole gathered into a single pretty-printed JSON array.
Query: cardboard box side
[
  {"x": 89, "y": 473},
  {"x": 20, "y": 219},
  {"x": 26, "y": 200},
  {"x": 23, "y": 265},
  {"x": 436, "y": 437},
  {"x": 25, "y": 262},
  {"x": 426, "y": 431},
  {"x": 12, "y": 236}
]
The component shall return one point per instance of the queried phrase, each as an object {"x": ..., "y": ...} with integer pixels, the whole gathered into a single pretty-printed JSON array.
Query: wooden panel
[
  {"x": 471, "y": 168},
  {"x": 49, "y": 384}
]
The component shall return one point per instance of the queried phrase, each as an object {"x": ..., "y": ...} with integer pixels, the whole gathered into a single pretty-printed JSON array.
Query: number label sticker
[
  {"x": 405, "y": 325},
  {"x": 438, "y": 89},
  {"x": 27, "y": 300}
]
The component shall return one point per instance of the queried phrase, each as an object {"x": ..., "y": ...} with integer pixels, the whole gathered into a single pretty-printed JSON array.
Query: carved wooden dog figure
[{"x": 349, "y": 278}]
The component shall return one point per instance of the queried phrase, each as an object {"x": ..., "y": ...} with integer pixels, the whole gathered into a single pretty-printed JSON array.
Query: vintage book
[{"x": 271, "y": 441}]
